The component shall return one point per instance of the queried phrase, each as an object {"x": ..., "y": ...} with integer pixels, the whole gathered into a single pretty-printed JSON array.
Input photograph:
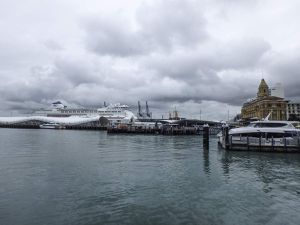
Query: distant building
[
  {"x": 277, "y": 91},
  {"x": 293, "y": 111},
  {"x": 266, "y": 101},
  {"x": 174, "y": 115}
]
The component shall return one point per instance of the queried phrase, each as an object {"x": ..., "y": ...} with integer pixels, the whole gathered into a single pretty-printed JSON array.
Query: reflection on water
[
  {"x": 206, "y": 161},
  {"x": 273, "y": 170},
  {"x": 89, "y": 177}
]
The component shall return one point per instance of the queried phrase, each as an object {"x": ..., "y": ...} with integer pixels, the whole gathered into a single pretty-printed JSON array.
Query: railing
[
  {"x": 285, "y": 142},
  {"x": 290, "y": 141}
]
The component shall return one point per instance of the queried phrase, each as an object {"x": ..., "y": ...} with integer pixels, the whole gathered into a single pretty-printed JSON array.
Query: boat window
[
  {"x": 256, "y": 134},
  {"x": 291, "y": 134},
  {"x": 275, "y": 135},
  {"x": 270, "y": 125}
]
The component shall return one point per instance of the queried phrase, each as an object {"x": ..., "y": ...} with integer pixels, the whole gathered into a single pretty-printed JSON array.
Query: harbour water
[{"x": 60, "y": 177}]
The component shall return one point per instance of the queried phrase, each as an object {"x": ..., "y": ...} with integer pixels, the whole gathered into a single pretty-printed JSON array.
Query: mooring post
[
  {"x": 248, "y": 143},
  {"x": 206, "y": 136},
  {"x": 284, "y": 140},
  {"x": 226, "y": 132},
  {"x": 260, "y": 143}
]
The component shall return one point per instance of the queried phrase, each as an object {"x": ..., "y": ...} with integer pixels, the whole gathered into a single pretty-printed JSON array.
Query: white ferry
[
  {"x": 117, "y": 113},
  {"x": 263, "y": 134}
]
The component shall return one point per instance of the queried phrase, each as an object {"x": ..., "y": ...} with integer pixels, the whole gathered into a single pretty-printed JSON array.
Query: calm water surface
[{"x": 50, "y": 177}]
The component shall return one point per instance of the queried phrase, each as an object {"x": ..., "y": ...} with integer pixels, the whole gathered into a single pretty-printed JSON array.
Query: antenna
[
  {"x": 200, "y": 114},
  {"x": 228, "y": 115}
]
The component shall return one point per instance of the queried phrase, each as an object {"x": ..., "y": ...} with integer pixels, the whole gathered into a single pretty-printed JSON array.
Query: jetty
[
  {"x": 165, "y": 127},
  {"x": 164, "y": 130}
]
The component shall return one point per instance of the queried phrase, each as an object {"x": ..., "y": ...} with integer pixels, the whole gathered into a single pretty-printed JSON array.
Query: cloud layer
[{"x": 192, "y": 55}]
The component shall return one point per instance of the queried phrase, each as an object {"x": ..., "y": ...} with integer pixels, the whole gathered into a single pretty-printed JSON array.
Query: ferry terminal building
[{"x": 264, "y": 104}]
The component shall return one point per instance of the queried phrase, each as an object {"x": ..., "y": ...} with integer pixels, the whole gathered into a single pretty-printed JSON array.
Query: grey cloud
[
  {"x": 239, "y": 54},
  {"x": 107, "y": 37},
  {"x": 162, "y": 26},
  {"x": 172, "y": 23},
  {"x": 53, "y": 45},
  {"x": 285, "y": 68},
  {"x": 167, "y": 52},
  {"x": 197, "y": 75},
  {"x": 76, "y": 71}
]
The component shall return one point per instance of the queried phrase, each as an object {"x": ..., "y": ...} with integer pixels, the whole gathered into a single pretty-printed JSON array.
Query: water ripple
[{"x": 89, "y": 177}]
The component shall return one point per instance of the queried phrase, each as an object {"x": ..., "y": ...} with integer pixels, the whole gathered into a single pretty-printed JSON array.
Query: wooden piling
[
  {"x": 226, "y": 134},
  {"x": 206, "y": 136}
]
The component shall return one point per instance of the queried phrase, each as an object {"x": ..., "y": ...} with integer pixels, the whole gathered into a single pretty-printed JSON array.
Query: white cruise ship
[
  {"x": 60, "y": 114},
  {"x": 117, "y": 113}
]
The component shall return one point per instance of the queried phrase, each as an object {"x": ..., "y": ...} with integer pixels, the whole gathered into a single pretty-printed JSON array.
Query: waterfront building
[
  {"x": 293, "y": 111},
  {"x": 265, "y": 103},
  {"x": 277, "y": 91}
]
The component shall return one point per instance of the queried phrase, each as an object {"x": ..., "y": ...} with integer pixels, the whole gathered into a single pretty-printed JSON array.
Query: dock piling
[
  {"x": 226, "y": 134},
  {"x": 206, "y": 136}
]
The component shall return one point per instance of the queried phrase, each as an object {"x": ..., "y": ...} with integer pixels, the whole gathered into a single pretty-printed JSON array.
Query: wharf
[
  {"x": 164, "y": 130},
  {"x": 182, "y": 127}
]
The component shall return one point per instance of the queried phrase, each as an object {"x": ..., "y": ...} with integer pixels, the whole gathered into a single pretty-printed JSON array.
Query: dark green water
[{"x": 50, "y": 177}]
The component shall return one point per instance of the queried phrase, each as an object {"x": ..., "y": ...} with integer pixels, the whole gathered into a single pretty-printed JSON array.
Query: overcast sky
[{"x": 194, "y": 55}]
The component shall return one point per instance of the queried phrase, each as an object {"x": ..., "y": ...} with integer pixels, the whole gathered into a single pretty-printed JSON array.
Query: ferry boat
[
  {"x": 117, "y": 113},
  {"x": 52, "y": 125},
  {"x": 262, "y": 135}
]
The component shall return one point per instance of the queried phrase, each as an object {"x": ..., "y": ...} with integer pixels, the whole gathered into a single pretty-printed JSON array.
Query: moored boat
[{"x": 262, "y": 135}]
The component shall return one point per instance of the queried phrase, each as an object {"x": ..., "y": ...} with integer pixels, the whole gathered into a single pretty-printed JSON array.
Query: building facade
[
  {"x": 293, "y": 111},
  {"x": 264, "y": 104},
  {"x": 277, "y": 91}
]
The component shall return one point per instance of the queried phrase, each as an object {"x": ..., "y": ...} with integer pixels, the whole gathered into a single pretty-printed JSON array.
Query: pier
[
  {"x": 148, "y": 126},
  {"x": 181, "y": 127},
  {"x": 164, "y": 130}
]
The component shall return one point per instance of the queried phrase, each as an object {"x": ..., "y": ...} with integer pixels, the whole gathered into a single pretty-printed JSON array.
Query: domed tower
[{"x": 263, "y": 89}]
